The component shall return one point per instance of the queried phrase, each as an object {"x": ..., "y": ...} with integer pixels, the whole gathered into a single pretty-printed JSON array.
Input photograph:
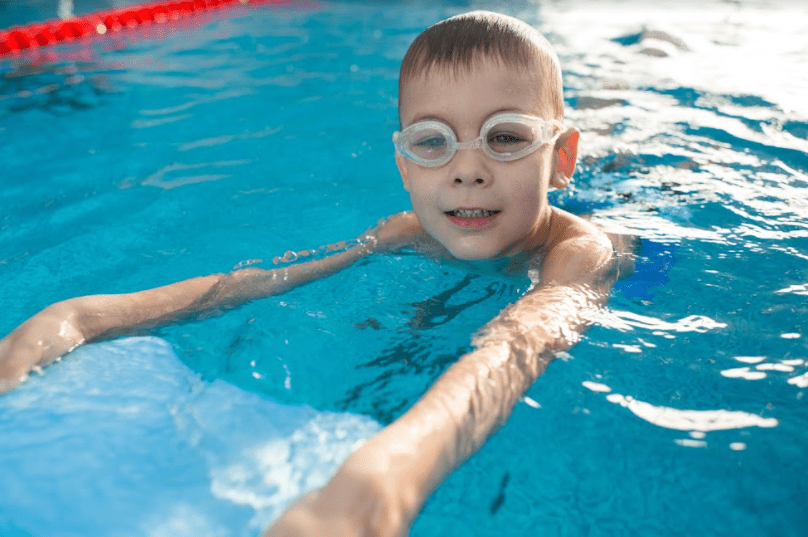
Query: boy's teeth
[{"x": 472, "y": 213}]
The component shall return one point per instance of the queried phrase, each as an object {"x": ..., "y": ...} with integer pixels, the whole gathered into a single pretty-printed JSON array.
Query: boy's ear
[
  {"x": 401, "y": 163},
  {"x": 566, "y": 155}
]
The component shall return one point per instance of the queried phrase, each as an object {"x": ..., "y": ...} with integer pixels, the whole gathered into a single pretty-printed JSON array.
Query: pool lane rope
[{"x": 43, "y": 34}]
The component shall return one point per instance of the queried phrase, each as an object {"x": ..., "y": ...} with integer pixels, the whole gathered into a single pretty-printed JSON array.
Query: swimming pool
[{"x": 144, "y": 159}]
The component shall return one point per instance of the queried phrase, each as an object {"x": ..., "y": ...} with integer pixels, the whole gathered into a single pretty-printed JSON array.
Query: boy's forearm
[
  {"x": 95, "y": 317},
  {"x": 65, "y": 325},
  {"x": 476, "y": 395},
  {"x": 467, "y": 404},
  {"x": 106, "y": 316}
]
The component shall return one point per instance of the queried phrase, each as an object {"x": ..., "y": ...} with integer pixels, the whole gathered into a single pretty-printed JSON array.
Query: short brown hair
[{"x": 458, "y": 42}]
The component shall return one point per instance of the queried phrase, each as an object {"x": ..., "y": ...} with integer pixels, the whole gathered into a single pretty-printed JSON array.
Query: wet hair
[{"x": 458, "y": 42}]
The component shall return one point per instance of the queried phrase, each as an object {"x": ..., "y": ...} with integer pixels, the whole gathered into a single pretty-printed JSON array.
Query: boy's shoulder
[
  {"x": 566, "y": 227},
  {"x": 400, "y": 224},
  {"x": 576, "y": 249},
  {"x": 396, "y": 230}
]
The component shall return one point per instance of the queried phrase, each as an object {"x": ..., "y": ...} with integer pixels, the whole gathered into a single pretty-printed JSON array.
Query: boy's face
[{"x": 477, "y": 207}]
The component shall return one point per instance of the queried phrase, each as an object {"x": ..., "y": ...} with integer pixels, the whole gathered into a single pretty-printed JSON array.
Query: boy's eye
[
  {"x": 429, "y": 145},
  {"x": 505, "y": 138},
  {"x": 430, "y": 142},
  {"x": 508, "y": 141}
]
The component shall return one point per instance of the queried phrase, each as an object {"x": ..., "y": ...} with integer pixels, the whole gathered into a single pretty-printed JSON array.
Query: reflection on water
[
  {"x": 684, "y": 420},
  {"x": 57, "y": 88},
  {"x": 626, "y": 320},
  {"x": 712, "y": 120},
  {"x": 694, "y": 138}
]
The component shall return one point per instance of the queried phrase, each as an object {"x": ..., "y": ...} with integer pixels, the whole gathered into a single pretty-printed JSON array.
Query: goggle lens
[
  {"x": 429, "y": 144},
  {"x": 508, "y": 138}
]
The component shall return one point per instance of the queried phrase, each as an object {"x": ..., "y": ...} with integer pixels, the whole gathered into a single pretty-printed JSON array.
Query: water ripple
[{"x": 159, "y": 179}]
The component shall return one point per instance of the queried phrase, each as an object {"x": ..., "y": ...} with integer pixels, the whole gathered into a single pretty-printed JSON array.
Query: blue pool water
[{"x": 230, "y": 139}]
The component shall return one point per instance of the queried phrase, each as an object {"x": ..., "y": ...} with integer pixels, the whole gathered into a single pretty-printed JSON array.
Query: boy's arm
[
  {"x": 382, "y": 486},
  {"x": 63, "y": 326}
]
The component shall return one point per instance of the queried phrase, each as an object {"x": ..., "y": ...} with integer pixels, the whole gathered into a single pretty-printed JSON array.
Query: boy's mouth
[
  {"x": 471, "y": 218},
  {"x": 472, "y": 213}
]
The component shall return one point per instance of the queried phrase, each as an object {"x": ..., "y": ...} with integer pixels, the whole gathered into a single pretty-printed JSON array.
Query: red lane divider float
[{"x": 21, "y": 38}]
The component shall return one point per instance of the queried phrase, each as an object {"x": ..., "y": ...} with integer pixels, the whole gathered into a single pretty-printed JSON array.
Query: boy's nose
[
  {"x": 469, "y": 168},
  {"x": 477, "y": 181}
]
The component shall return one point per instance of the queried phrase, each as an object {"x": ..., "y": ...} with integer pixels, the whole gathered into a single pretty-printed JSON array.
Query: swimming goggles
[{"x": 504, "y": 137}]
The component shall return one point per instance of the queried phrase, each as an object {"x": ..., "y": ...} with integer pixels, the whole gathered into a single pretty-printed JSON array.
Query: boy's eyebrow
[{"x": 430, "y": 117}]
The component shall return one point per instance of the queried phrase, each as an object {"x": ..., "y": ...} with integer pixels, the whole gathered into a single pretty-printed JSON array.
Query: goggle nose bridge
[{"x": 471, "y": 144}]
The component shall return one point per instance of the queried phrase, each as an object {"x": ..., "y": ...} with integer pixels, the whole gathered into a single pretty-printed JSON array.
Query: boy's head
[
  {"x": 458, "y": 44},
  {"x": 480, "y": 105}
]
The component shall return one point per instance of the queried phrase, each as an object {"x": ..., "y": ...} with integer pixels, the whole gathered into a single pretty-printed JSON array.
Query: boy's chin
[
  {"x": 471, "y": 254},
  {"x": 478, "y": 247},
  {"x": 463, "y": 256}
]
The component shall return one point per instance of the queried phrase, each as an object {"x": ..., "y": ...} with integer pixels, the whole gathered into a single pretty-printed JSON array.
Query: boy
[{"x": 494, "y": 83}]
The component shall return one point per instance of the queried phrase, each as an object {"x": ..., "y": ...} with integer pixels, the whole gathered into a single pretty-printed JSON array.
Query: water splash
[{"x": 291, "y": 257}]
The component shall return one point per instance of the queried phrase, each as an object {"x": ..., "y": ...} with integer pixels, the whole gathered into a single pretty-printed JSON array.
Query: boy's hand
[
  {"x": 43, "y": 338},
  {"x": 360, "y": 500}
]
